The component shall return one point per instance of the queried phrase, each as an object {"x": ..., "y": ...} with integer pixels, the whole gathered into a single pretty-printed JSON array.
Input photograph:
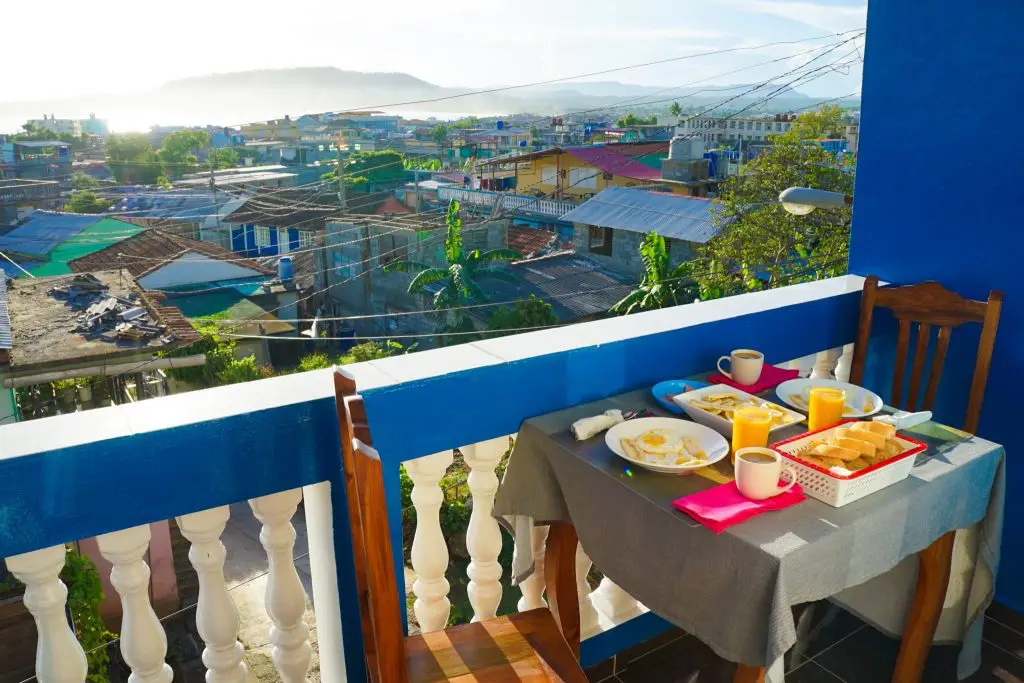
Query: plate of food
[
  {"x": 665, "y": 391},
  {"x": 666, "y": 444},
  {"x": 715, "y": 404},
  {"x": 860, "y": 402}
]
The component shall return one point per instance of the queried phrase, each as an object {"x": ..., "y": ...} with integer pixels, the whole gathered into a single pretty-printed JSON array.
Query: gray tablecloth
[{"x": 735, "y": 591}]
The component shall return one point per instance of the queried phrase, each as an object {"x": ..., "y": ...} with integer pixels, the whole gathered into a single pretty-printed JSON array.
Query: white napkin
[{"x": 589, "y": 426}]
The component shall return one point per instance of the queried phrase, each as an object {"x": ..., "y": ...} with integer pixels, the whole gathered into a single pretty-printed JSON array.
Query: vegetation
[
  {"x": 34, "y": 133},
  {"x": 439, "y": 134},
  {"x": 133, "y": 160},
  {"x": 760, "y": 244},
  {"x": 662, "y": 285},
  {"x": 458, "y": 279},
  {"x": 526, "y": 314},
  {"x": 535, "y": 133},
  {"x": 224, "y": 157},
  {"x": 386, "y": 166},
  {"x": 87, "y": 201},
  {"x": 178, "y": 153},
  {"x": 359, "y": 353},
  {"x": 632, "y": 119},
  {"x": 85, "y": 592},
  {"x": 674, "y": 109},
  {"x": 422, "y": 163},
  {"x": 221, "y": 366},
  {"x": 81, "y": 181}
]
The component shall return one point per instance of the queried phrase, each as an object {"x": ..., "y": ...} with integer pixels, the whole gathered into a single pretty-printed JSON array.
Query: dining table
[{"x": 736, "y": 590}]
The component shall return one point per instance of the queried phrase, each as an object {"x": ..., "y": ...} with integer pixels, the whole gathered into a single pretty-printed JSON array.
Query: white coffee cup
[
  {"x": 758, "y": 471},
  {"x": 744, "y": 366}
]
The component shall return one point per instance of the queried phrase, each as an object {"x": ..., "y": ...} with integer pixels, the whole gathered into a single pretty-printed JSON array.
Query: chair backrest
[
  {"x": 927, "y": 305},
  {"x": 376, "y": 581}
]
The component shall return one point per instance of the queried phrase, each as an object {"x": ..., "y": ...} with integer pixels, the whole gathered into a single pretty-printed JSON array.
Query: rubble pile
[{"x": 108, "y": 317}]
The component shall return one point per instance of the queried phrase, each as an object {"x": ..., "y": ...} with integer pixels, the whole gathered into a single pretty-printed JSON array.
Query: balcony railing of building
[
  {"x": 500, "y": 201},
  {"x": 109, "y": 473}
]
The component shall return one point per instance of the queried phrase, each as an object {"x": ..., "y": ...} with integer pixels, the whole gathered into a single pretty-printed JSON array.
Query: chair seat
[{"x": 525, "y": 646}]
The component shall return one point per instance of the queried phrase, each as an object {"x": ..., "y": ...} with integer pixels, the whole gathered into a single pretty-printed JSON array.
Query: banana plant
[{"x": 662, "y": 285}]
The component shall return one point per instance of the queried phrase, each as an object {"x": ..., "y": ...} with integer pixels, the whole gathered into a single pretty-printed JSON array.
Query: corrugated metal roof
[
  {"x": 669, "y": 215},
  {"x": 44, "y": 231},
  {"x": 6, "y": 341},
  {"x": 616, "y": 163}
]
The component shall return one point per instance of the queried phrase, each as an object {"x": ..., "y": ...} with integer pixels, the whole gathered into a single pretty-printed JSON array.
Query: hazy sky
[{"x": 129, "y": 45}]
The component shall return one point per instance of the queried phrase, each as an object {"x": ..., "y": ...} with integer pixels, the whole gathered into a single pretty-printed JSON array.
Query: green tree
[
  {"x": 534, "y": 132},
  {"x": 439, "y": 134},
  {"x": 662, "y": 285},
  {"x": 178, "y": 152},
  {"x": 34, "y": 133},
  {"x": 86, "y": 201},
  {"x": 458, "y": 279},
  {"x": 224, "y": 157},
  {"x": 526, "y": 314},
  {"x": 760, "y": 245},
  {"x": 221, "y": 366},
  {"x": 81, "y": 181},
  {"x": 674, "y": 109},
  {"x": 632, "y": 119},
  {"x": 422, "y": 163},
  {"x": 373, "y": 350},
  {"x": 132, "y": 159}
]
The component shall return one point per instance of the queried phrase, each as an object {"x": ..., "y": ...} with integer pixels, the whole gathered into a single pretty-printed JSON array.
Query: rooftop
[
  {"x": 44, "y": 327},
  {"x": 44, "y": 231},
  {"x": 611, "y": 161},
  {"x": 100, "y": 235},
  {"x": 233, "y": 306},
  {"x": 41, "y": 143},
  {"x": 392, "y": 206},
  {"x": 528, "y": 241},
  {"x": 179, "y": 204},
  {"x": 5, "y": 318},
  {"x": 637, "y": 210},
  {"x": 151, "y": 249},
  {"x": 236, "y": 179},
  {"x": 278, "y": 212}
]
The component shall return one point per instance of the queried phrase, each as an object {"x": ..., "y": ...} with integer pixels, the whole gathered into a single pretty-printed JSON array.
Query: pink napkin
[
  {"x": 723, "y": 506},
  {"x": 771, "y": 377}
]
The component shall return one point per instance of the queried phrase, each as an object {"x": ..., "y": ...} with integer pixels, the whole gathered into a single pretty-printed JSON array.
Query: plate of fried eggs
[{"x": 666, "y": 444}]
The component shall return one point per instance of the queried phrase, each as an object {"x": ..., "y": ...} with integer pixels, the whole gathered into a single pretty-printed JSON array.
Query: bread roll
[
  {"x": 854, "y": 444},
  {"x": 876, "y": 440},
  {"x": 886, "y": 430},
  {"x": 837, "y": 452}
]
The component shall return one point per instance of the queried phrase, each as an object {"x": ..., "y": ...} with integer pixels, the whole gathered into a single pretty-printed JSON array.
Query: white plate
[
  {"x": 713, "y": 444},
  {"x": 719, "y": 423},
  {"x": 855, "y": 395}
]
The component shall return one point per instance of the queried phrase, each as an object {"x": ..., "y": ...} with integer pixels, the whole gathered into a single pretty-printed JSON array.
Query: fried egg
[{"x": 660, "y": 442}]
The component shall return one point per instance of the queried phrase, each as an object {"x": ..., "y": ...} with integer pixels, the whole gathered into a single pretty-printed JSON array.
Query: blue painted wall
[{"x": 933, "y": 212}]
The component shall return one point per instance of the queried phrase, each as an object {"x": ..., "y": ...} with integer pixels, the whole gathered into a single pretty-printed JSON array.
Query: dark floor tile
[
  {"x": 820, "y": 625},
  {"x": 867, "y": 656},
  {"x": 601, "y": 671},
  {"x": 1007, "y": 617},
  {"x": 812, "y": 673},
  {"x": 941, "y": 664},
  {"x": 641, "y": 649},
  {"x": 686, "y": 660},
  {"x": 997, "y": 666},
  {"x": 1004, "y": 637}
]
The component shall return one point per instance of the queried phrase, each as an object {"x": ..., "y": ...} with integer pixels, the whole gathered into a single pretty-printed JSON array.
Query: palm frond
[
  {"x": 625, "y": 306},
  {"x": 500, "y": 255},
  {"x": 426, "y": 277}
]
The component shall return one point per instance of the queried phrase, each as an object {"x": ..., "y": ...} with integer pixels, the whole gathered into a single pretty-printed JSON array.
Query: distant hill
[{"x": 234, "y": 98}]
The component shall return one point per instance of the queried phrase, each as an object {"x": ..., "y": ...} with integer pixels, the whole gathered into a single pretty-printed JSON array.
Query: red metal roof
[
  {"x": 611, "y": 161},
  {"x": 391, "y": 207},
  {"x": 528, "y": 241}
]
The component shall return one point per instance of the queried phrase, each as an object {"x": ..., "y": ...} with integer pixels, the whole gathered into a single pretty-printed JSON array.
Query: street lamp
[{"x": 801, "y": 201}]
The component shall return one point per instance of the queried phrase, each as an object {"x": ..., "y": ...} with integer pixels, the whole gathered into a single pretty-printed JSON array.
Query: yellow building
[
  {"x": 274, "y": 129},
  {"x": 580, "y": 172}
]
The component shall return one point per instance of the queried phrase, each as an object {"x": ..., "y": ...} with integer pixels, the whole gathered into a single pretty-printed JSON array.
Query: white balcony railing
[
  {"x": 504, "y": 201},
  {"x": 107, "y": 473}
]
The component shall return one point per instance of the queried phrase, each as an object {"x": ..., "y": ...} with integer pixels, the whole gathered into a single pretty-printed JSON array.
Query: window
[
  {"x": 583, "y": 178},
  {"x": 732, "y": 124},
  {"x": 600, "y": 241},
  {"x": 721, "y": 124},
  {"x": 778, "y": 127},
  {"x": 262, "y": 236},
  {"x": 750, "y": 125},
  {"x": 757, "y": 126},
  {"x": 305, "y": 239},
  {"x": 548, "y": 175}
]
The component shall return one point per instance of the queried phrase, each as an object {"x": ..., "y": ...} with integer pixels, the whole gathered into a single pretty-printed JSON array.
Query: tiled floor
[{"x": 837, "y": 648}]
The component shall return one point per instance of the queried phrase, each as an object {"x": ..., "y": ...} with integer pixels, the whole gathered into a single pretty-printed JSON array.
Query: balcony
[
  {"x": 111, "y": 472},
  {"x": 500, "y": 201}
]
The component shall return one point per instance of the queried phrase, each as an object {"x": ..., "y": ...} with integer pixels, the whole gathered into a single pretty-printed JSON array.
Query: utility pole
[
  {"x": 216, "y": 209},
  {"x": 342, "y": 199}
]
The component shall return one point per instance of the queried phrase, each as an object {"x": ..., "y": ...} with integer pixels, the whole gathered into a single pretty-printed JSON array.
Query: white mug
[
  {"x": 758, "y": 471},
  {"x": 744, "y": 366}
]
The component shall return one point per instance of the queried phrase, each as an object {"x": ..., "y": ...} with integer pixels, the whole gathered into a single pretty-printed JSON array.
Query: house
[
  {"x": 37, "y": 159},
  {"x": 57, "y": 126},
  {"x": 240, "y": 179},
  {"x": 270, "y": 224},
  {"x": 47, "y": 240},
  {"x": 610, "y": 227},
  {"x": 273, "y": 129},
  {"x": 190, "y": 212},
  {"x": 19, "y": 195},
  {"x": 204, "y": 280}
]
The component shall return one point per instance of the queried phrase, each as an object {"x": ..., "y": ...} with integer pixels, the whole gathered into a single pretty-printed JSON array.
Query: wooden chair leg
[
  {"x": 748, "y": 674},
  {"x": 932, "y": 581},
  {"x": 560, "y": 577}
]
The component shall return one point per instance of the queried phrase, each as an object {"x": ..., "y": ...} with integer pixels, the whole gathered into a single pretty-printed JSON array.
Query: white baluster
[
  {"x": 483, "y": 538},
  {"x": 285, "y": 599},
  {"x": 845, "y": 363},
  {"x": 823, "y": 362},
  {"x": 143, "y": 641},
  {"x": 216, "y": 615},
  {"x": 533, "y": 587},
  {"x": 59, "y": 656},
  {"x": 614, "y": 605},
  {"x": 429, "y": 549}
]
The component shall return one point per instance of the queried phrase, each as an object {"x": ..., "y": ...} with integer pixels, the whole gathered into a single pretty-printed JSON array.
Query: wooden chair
[
  {"x": 526, "y": 646},
  {"x": 927, "y": 304}
]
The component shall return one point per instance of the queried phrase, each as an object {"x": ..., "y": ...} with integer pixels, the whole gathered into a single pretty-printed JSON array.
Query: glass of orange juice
[
  {"x": 750, "y": 427},
  {"x": 825, "y": 407}
]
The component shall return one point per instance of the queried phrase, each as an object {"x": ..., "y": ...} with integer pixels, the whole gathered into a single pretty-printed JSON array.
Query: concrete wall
[
  {"x": 193, "y": 268},
  {"x": 625, "y": 256},
  {"x": 958, "y": 67}
]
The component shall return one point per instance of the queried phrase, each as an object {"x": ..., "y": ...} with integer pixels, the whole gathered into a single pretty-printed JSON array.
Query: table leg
[
  {"x": 932, "y": 581},
  {"x": 748, "y": 674},
  {"x": 560, "y": 577}
]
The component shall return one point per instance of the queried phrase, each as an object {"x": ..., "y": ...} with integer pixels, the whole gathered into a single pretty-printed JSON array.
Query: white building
[
  {"x": 59, "y": 126},
  {"x": 726, "y": 129}
]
